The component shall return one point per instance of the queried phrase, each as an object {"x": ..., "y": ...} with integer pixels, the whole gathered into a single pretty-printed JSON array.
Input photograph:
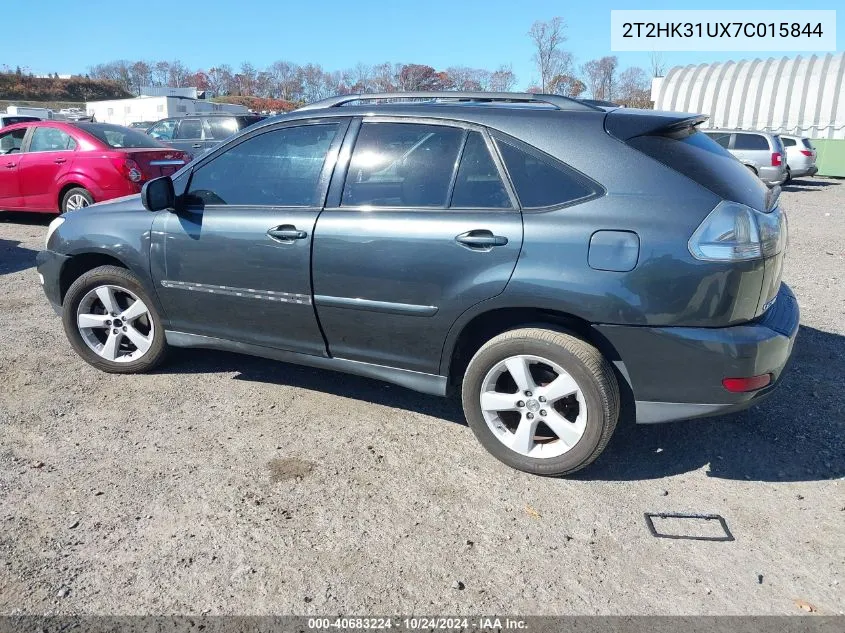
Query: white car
[{"x": 800, "y": 156}]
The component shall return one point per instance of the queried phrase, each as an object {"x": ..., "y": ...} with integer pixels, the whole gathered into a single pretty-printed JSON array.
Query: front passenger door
[{"x": 235, "y": 264}]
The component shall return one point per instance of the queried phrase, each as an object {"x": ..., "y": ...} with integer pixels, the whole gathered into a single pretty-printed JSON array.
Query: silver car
[
  {"x": 800, "y": 156},
  {"x": 762, "y": 152}
]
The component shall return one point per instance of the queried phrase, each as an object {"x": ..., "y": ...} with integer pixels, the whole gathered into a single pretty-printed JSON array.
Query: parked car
[
  {"x": 762, "y": 152},
  {"x": 50, "y": 166},
  {"x": 199, "y": 133},
  {"x": 556, "y": 265},
  {"x": 141, "y": 125},
  {"x": 11, "y": 119},
  {"x": 800, "y": 156}
]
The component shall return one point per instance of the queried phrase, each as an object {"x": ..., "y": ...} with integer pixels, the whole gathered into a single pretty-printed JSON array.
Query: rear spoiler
[{"x": 625, "y": 123}]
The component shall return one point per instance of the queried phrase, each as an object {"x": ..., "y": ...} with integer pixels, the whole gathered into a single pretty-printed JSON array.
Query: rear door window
[
  {"x": 189, "y": 130},
  {"x": 50, "y": 139},
  {"x": 478, "y": 184},
  {"x": 750, "y": 142},
  {"x": 277, "y": 168},
  {"x": 541, "y": 181},
  {"x": 402, "y": 165}
]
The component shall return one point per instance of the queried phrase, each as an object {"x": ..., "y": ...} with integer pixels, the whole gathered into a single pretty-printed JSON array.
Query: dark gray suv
[{"x": 555, "y": 263}]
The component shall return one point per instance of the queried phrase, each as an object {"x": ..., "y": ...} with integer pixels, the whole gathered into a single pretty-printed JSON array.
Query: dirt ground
[{"x": 232, "y": 485}]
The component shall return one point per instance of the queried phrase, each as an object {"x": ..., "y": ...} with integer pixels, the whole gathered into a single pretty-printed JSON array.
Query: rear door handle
[
  {"x": 11, "y": 165},
  {"x": 197, "y": 145},
  {"x": 287, "y": 233},
  {"x": 59, "y": 161},
  {"x": 481, "y": 239}
]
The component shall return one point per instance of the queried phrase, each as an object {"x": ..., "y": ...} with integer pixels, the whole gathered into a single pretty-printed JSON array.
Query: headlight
[{"x": 51, "y": 228}]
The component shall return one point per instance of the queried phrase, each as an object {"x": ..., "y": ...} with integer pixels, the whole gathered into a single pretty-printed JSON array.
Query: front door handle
[
  {"x": 480, "y": 239},
  {"x": 287, "y": 233}
]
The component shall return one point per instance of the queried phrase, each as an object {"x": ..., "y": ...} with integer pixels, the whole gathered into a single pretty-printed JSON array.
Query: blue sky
[{"x": 69, "y": 37}]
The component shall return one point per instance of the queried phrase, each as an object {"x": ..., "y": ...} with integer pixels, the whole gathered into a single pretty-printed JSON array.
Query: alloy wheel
[
  {"x": 533, "y": 406},
  {"x": 115, "y": 324},
  {"x": 76, "y": 201}
]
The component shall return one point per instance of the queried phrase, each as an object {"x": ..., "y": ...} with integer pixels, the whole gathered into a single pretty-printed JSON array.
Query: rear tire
[
  {"x": 541, "y": 401},
  {"x": 112, "y": 323},
  {"x": 76, "y": 198},
  {"x": 788, "y": 175}
]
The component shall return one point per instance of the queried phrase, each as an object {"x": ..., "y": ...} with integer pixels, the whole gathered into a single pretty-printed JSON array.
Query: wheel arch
[
  {"x": 80, "y": 264},
  {"x": 466, "y": 338},
  {"x": 64, "y": 188}
]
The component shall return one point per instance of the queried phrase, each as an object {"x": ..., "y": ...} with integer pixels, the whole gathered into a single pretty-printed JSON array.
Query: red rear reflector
[
  {"x": 740, "y": 385},
  {"x": 806, "y": 152},
  {"x": 776, "y": 159}
]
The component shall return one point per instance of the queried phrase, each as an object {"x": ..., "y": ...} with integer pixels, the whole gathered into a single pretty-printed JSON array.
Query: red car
[{"x": 50, "y": 166}]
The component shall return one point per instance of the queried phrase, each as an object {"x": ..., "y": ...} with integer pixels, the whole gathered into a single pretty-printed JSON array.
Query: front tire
[
  {"x": 541, "y": 401},
  {"x": 112, "y": 323},
  {"x": 76, "y": 198}
]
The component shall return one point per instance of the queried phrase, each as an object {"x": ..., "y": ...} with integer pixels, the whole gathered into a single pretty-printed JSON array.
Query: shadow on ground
[
  {"x": 14, "y": 258},
  {"x": 798, "y": 434},
  {"x": 805, "y": 184}
]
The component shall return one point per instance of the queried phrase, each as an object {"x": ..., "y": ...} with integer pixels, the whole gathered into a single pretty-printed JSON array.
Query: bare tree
[
  {"x": 601, "y": 77},
  {"x": 161, "y": 73},
  {"x": 658, "y": 64},
  {"x": 567, "y": 86},
  {"x": 551, "y": 60},
  {"x": 177, "y": 74},
  {"x": 634, "y": 88},
  {"x": 502, "y": 79}
]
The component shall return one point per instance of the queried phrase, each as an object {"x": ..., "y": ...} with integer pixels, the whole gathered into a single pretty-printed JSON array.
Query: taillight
[
  {"x": 128, "y": 168},
  {"x": 776, "y": 159},
  {"x": 733, "y": 232},
  {"x": 741, "y": 385},
  {"x": 806, "y": 152}
]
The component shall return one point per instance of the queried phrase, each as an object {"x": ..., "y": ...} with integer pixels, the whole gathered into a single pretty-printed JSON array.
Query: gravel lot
[{"x": 233, "y": 485}]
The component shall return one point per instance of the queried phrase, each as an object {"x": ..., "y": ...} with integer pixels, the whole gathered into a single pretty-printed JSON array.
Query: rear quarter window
[{"x": 541, "y": 181}]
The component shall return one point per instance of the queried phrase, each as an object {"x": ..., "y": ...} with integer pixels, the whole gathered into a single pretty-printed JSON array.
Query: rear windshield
[
  {"x": 702, "y": 159},
  {"x": 11, "y": 120},
  {"x": 807, "y": 143},
  {"x": 118, "y": 136},
  {"x": 246, "y": 121}
]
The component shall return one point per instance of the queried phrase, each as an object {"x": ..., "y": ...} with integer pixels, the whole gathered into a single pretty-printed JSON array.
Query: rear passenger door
[
  {"x": 419, "y": 226},
  {"x": 46, "y": 158},
  {"x": 188, "y": 136}
]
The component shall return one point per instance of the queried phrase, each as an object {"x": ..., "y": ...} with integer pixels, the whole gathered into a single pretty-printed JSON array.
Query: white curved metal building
[{"x": 801, "y": 95}]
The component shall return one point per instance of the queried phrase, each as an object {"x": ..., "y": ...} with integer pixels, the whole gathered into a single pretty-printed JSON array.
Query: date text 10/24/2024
[{"x": 422, "y": 623}]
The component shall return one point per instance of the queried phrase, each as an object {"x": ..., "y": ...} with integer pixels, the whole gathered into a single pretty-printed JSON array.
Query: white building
[
  {"x": 801, "y": 95},
  {"x": 167, "y": 91},
  {"x": 126, "y": 111}
]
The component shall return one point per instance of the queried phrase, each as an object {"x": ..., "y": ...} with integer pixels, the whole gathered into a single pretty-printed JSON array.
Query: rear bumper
[
  {"x": 809, "y": 170},
  {"x": 676, "y": 372},
  {"x": 772, "y": 176}
]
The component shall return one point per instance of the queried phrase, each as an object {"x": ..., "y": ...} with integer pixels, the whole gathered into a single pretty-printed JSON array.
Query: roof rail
[{"x": 559, "y": 102}]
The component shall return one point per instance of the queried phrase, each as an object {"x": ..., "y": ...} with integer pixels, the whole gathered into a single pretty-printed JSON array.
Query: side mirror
[{"x": 158, "y": 194}]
